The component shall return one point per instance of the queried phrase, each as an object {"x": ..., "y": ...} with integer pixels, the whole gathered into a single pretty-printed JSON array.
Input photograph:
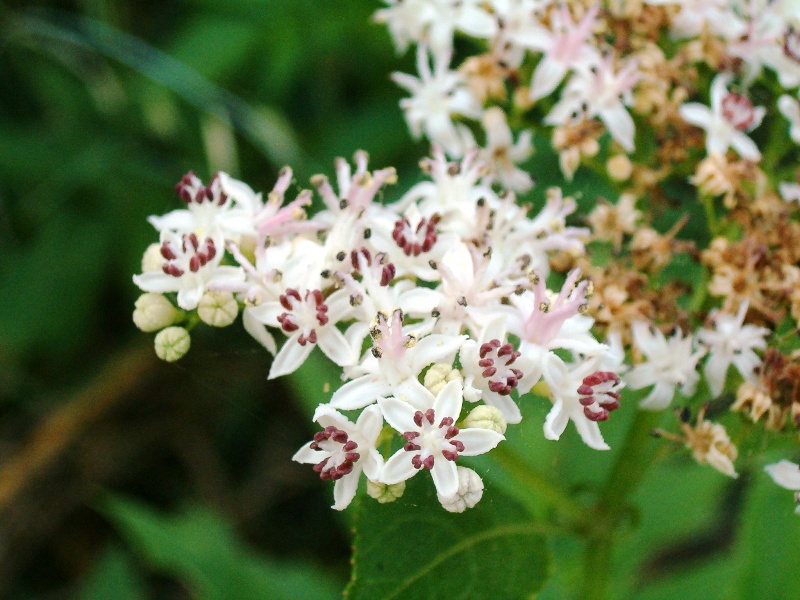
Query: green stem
[
  {"x": 539, "y": 488},
  {"x": 636, "y": 455},
  {"x": 711, "y": 216}
]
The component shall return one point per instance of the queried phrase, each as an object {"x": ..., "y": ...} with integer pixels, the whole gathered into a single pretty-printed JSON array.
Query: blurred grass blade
[{"x": 265, "y": 128}]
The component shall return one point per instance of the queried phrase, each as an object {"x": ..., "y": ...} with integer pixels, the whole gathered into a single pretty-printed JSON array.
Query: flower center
[
  {"x": 303, "y": 312},
  {"x": 738, "y": 111},
  {"x": 191, "y": 254},
  {"x": 191, "y": 190},
  {"x": 493, "y": 354},
  {"x": 432, "y": 440},
  {"x": 341, "y": 449},
  {"x": 415, "y": 240},
  {"x": 600, "y": 395}
]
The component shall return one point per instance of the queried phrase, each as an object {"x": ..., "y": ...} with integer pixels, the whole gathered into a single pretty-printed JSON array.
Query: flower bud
[
  {"x": 619, "y": 167},
  {"x": 384, "y": 493},
  {"x": 218, "y": 309},
  {"x": 154, "y": 312},
  {"x": 440, "y": 375},
  {"x": 172, "y": 343},
  {"x": 470, "y": 491},
  {"x": 487, "y": 417},
  {"x": 152, "y": 260}
]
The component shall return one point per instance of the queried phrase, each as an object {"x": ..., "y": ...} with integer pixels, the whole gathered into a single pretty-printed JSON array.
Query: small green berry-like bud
[
  {"x": 172, "y": 343},
  {"x": 440, "y": 375},
  {"x": 152, "y": 260},
  {"x": 154, "y": 312},
  {"x": 470, "y": 491},
  {"x": 384, "y": 493},
  {"x": 486, "y": 417},
  {"x": 218, "y": 309}
]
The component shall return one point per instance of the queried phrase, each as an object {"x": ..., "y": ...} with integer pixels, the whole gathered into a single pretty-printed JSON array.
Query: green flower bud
[
  {"x": 172, "y": 343},
  {"x": 486, "y": 417},
  {"x": 154, "y": 312},
  {"x": 440, "y": 375},
  {"x": 218, "y": 309},
  {"x": 384, "y": 493}
]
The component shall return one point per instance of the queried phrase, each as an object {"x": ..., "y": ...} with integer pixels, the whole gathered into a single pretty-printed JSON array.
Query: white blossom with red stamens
[
  {"x": 190, "y": 267},
  {"x": 433, "y": 442},
  {"x": 725, "y": 122},
  {"x": 343, "y": 450},
  {"x": 393, "y": 365}
]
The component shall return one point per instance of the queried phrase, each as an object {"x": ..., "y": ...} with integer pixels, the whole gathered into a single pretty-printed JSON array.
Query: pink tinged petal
[
  {"x": 257, "y": 329},
  {"x": 549, "y": 73},
  {"x": 785, "y": 473},
  {"x": 696, "y": 114},
  {"x": 556, "y": 421},
  {"x": 398, "y": 414},
  {"x": 336, "y": 347},
  {"x": 620, "y": 125},
  {"x": 344, "y": 490},
  {"x": 445, "y": 476},
  {"x": 590, "y": 433},
  {"x": 477, "y": 441},
  {"x": 290, "y": 357},
  {"x": 359, "y": 393},
  {"x": 448, "y": 402},
  {"x": 399, "y": 468}
]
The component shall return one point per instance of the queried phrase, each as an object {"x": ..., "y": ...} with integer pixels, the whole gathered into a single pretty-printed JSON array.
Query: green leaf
[
  {"x": 113, "y": 577},
  {"x": 198, "y": 548},
  {"x": 414, "y": 548}
]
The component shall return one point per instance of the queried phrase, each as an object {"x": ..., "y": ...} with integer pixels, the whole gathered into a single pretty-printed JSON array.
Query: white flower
[
  {"x": 670, "y": 363},
  {"x": 694, "y": 15},
  {"x": 790, "y": 192},
  {"x": 787, "y": 475},
  {"x": 394, "y": 365},
  {"x": 433, "y": 441},
  {"x": 470, "y": 491},
  {"x": 731, "y": 342},
  {"x": 726, "y": 121},
  {"x": 436, "y": 96},
  {"x": 584, "y": 393},
  {"x": 502, "y": 155},
  {"x": 343, "y": 450},
  {"x": 190, "y": 267}
]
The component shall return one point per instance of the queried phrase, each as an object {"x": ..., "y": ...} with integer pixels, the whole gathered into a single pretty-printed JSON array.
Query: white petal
[
  {"x": 359, "y": 393},
  {"x": 445, "y": 476},
  {"x": 478, "y": 441},
  {"x": 556, "y": 421},
  {"x": 785, "y": 474},
  {"x": 620, "y": 125},
  {"x": 434, "y": 348},
  {"x": 590, "y": 433},
  {"x": 370, "y": 423},
  {"x": 289, "y": 358},
  {"x": 716, "y": 370},
  {"x": 398, "y": 468},
  {"x": 189, "y": 297},
  {"x": 257, "y": 329},
  {"x": 745, "y": 147},
  {"x": 659, "y": 398},
  {"x": 157, "y": 282},
  {"x": 696, "y": 114},
  {"x": 448, "y": 402},
  {"x": 507, "y": 406},
  {"x": 344, "y": 490},
  {"x": 546, "y": 78},
  {"x": 336, "y": 347},
  {"x": 308, "y": 456},
  {"x": 398, "y": 414}
]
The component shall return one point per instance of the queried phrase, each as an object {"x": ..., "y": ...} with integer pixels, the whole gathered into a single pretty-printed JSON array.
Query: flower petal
[
  {"x": 289, "y": 358},
  {"x": 344, "y": 490},
  {"x": 478, "y": 441},
  {"x": 445, "y": 476},
  {"x": 398, "y": 468},
  {"x": 785, "y": 474}
]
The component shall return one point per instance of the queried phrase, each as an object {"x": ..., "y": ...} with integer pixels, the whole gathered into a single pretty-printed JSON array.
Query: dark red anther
[
  {"x": 428, "y": 462},
  {"x": 352, "y": 456},
  {"x": 452, "y": 431},
  {"x": 339, "y": 436},
  {"x": 418, "y": 418},
  {"x": 167, "y": 252},
  {"x": 411, "y": 447},
  {"x": 288, "y": 325},
  {"x": 587, "y": 400},
  {"x": 485, "y": 362},
  {"x": 489, "y": 371},
  {"x": 416, "y": 461},
  {"x": 412, "y": 435},
  {"x": 194, "y": 264},
  {"x": 350, "y": 446},
  {"x": 791, "y": 44},
  {"x": 601, "y": 415},
  {"x": 387, "y": 274},
  {"x": 430, "y": 415},
  {"x": 319, "y": 466},
  {"x": 450, "y": 455},
  {"x": 459, "y": 445},
  {"x": 738, "y": 110}
]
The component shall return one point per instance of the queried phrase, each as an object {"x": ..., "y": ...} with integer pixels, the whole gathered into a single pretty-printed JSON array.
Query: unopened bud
[
  {"x": 172, "y": 343},
  {"x": 383, "y": 492},
  {"x": 218, "y": 309},
  {"x": 440, "y": 375},
  {"x": 154, "y": 312},
  {"x": 470, "y": 491},
  {"x": 152, "y": 260},
  {"x": 487, "y": 417},
  {"x": 619, "y": 167}
]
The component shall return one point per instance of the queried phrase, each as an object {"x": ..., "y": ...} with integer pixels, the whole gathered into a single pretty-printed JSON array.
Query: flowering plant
[{"x": 607, "y": 222}]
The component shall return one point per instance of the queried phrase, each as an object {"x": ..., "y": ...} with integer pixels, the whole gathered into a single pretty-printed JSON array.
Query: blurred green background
[{"x": 121, "y": 477}]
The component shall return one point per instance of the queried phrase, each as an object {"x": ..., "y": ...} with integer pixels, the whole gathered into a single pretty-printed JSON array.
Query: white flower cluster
[
  {"x": 599, "y": 82},
  {"x": 434, "y": 300}
]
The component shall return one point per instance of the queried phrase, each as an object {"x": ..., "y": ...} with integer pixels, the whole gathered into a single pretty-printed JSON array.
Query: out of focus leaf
[
  {"x": 113, "y": 577},
  {"x": 414, "y": 548},
  {"x": 266, "y": 128},
  {"x": 199, "y": 549}
]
